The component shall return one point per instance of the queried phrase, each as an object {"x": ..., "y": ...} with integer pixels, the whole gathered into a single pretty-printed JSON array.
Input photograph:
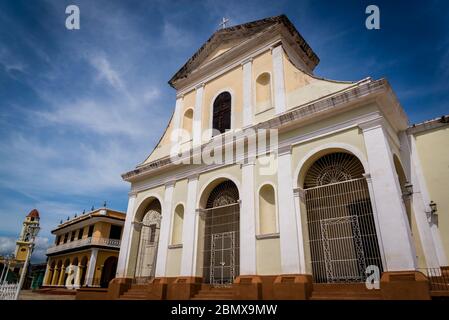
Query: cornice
[{"x": 288, "y": 118}]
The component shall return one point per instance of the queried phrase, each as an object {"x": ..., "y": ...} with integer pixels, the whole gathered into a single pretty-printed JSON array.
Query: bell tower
[{"x": 22, "y": 244}]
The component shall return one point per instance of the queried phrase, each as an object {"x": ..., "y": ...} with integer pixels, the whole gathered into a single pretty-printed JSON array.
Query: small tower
[{"x": 22, "y": 244}]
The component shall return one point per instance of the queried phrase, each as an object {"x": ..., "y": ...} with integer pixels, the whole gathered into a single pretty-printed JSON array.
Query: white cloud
[
  {"x": 7, "y": 245},
  {"x": 106, "y": 72}
]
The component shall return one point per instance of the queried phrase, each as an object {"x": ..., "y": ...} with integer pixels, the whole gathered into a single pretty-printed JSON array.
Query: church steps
[{"x": 344, "y": 291}]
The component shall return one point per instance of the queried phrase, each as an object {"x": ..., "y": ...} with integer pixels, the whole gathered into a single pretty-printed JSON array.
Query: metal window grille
[{"x": 340, "y": 220}]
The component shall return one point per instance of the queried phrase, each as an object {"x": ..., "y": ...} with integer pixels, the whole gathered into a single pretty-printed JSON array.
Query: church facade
[{"x": 270, "y": 182}]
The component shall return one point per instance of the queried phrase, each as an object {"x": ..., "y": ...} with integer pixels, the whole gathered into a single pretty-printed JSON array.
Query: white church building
[{"x": 306, "y": 188}]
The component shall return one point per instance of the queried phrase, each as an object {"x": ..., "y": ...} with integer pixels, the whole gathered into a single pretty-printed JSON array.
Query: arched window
[
  {"x": 263, "y": 92},
  {"x": 178, "y": 220},
  {"x": 221, "y": 119},
  {"x": 267, "y": 210},
  {"x": 187, "y": 120}
]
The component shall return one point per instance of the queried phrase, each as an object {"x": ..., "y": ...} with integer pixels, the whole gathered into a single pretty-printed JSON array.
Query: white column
[
  {"x": 248, "y": 222},
  {"x": 125, "y": 242},
  {"x": 177, "y": 115},
  {"x": 197, "y": 115},
  {"x": 247, "y": 93},
  {"x": 91, "y": 266},
  {"x": 164, "y": 234},
  {"x": 302, "y": 259},
  {"x": 78, "y": 276},
  {"x": 189, "y": 229},
  {"x": 421, "y": 202},
  {"x": 278, "y": 78},
  {"x": 397, "y": 242},
  {"x": 290, "y": 260}
]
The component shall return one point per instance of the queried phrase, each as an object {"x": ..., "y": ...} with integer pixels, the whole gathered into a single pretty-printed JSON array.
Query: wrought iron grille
[
  {"x": 149, "y": 238},
  {"x": 342, "y": 232},
  {"x": 222, "y": 262},
  {"x": 221, "y": 235},
  {"x": 333, "y": 168}
]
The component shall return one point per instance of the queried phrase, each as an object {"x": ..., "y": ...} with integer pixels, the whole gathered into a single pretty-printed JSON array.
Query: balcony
[{"x": 104, "y": 242}]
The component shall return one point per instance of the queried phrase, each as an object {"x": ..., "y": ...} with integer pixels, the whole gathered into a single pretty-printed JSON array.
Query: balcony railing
[{"x": 106, "y": 242}]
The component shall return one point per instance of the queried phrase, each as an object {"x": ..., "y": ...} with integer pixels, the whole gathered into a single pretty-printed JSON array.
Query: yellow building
[
  {"x": 23, "y": 246},
  {"x": 271, "y": 182},
  {"x": 85, "y": 251}
]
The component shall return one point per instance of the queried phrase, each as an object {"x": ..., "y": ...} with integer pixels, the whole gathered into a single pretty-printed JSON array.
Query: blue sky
[{"x": 78, "y": 108}]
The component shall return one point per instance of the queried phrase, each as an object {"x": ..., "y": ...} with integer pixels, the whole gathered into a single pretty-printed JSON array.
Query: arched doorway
[
  {"x": 148, "y": 229},
  {"x": 340, "y": 222},
  {"x": 83, "y": 271},
  {"x": 65, "y": 272},
  {"x": 108, "y": 272},
  {"x": 221, "y": 247},
  {"x": 51, "y": 272}
]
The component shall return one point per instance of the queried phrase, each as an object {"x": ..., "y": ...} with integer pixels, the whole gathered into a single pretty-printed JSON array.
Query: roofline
[
  {"x": 275, "y": 19},
  {"x": 429, "y": 125},
  {"x": 88, "y": 215}
]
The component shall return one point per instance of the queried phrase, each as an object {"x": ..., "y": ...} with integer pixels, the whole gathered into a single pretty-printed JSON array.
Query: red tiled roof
[{"x": 33, "y": 213}]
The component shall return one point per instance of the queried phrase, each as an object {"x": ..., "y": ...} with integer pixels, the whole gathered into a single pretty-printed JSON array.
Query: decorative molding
[
  {"x": 285, "y": 149},
  {"x": 200, "y": 85},
  {"x": 268, "y": 236},
  {"x": 170, "y": 183},
  {"x": 372, "y": 124},
  {"x": 297, "y": 114},
  {"x": 193, "y": 176},
  {"x": 299, "y": 193},
  {"x": 175, "y": 246},
  {"x": 247, "y": 60}
]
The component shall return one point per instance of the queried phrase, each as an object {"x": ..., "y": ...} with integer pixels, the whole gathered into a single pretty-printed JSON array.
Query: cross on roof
[{"x": 223, "y": 23}]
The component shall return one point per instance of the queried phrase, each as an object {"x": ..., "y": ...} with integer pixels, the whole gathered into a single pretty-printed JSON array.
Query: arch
[
  {"x": 65, "y": 274},
  {"x": 222, "y": 110},
  {"x": 145, "y": 239},
  {"x": 267, "y": 209},
  {"x": 263, "y": 92},
  {"x": 108, "y": 272},
  {"x": 51, "y": 271},
  {"x": 219, "y": 230},
  {"x": 326, "y": 148},
  {"x": 211, "y": 107},
  {"x": 57, "y": 273},
  {"x": 341, "y": 228},
  {"x": 83, "y": 270},
  {"x": 187, "y": 120},
  {"x": 178, "y": 221},
  {"x": 212, "y": 183}
]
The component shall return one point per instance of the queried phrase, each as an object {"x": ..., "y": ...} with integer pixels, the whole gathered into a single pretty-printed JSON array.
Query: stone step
[
  {"x": 337, "y": 297},
  {"x": 209, "y": 292},
  {"x": 210, "y": 298}
]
